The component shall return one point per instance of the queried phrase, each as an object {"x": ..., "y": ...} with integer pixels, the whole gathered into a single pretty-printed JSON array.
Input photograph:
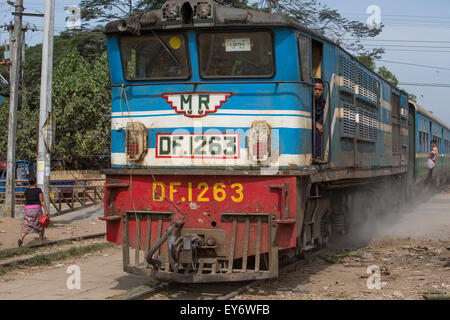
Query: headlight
[
  {"x": 202, "y": 10},
  {"x": 135, "y": 140},
  {"x": 170, "y": 12}
]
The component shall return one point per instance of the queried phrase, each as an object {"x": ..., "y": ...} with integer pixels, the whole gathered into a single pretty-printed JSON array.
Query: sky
[{"x": 415, "y": 33}]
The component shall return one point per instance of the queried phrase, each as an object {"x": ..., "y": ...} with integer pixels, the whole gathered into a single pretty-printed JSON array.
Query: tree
[
  {"x": 412, "y": 97},
  {"x": 388, "y": 75},
  {"x": 107, "y": 10},
  {"x": 82, "y": 107},
  {"x": 330, "y": 23},
  {"x": 367, "y": 61},
  {"x": 385, "y": 73},
  {"x": 26, "y": 133}
]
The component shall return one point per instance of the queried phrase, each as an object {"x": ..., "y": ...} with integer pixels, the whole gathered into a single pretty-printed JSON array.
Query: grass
[
  {"x": 431, "y": 292},
  {"x": 338, "y": 257},
  {"x": 138, "y": 289},
  {"x": 134, "y": 290},
  {"x": 9, "y": 253},
  {"x": 46, "y": 259}
]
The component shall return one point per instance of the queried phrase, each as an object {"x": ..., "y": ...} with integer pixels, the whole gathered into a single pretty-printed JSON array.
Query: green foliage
[
  {"x": 412, "y": 97},
  {"x": 90, "y": 108},
  {"x": 82, "y": 107},
  {"x": 388, "y": 75},
  {"x": 330, "y": 23},
  {"x": 90, "y": 44},
  {"x": 105, "y": 10},
  {"x": 4, "y": 111},
  {"x": 26, "y": 133},
  {"x": 367, "y": 61},
  {"x": 46, "y": 259}
]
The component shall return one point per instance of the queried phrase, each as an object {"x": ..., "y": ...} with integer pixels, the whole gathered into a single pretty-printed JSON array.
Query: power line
[
  {"x": 436, "y": 85},
  {"x": 418, "y": 25},
  {"x": 393, "y": 40},
  {"x": 413, "y": 64},
  {"x": 404, "y": 46},
  {"x": 424, "y": 51},
  {"x": 398, "y": 15}
]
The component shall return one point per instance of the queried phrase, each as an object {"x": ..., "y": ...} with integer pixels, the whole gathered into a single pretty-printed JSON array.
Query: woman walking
[{"x": 32, "y": 211}]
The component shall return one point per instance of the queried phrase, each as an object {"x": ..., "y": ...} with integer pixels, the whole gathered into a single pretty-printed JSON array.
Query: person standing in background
[{"x": 34, "y": 202}]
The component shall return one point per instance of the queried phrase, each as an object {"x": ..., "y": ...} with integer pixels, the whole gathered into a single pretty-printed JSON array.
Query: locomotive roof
[
  {"x": 429, "y": 114},
  {"x": 223, "y": 17}
]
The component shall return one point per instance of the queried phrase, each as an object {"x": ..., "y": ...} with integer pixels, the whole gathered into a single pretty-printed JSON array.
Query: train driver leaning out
[{"x": 320, "y": 107}]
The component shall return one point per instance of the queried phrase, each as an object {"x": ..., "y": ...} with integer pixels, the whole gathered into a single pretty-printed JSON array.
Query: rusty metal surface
[{"x": 247, "y": 250}]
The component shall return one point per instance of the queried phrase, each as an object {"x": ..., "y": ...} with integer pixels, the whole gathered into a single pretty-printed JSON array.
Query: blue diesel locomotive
[{"x": 213, "y": 175}]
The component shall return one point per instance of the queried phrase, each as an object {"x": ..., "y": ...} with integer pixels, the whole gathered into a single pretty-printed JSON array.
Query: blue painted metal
[
  {"x": 145, "y": 103},
  {"x": 24, "y": 170}
]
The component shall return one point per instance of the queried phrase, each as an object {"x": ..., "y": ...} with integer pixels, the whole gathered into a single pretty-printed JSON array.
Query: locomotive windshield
[
  {"x": 236, "y": 54},
  {"x": 154, "y": 57}
]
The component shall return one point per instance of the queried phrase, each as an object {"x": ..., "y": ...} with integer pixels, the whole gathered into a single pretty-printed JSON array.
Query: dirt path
[
  {"x": 77, "y": 223},
  {"x": 101, "y": 278},
  {"x": 411, "y": 250}
]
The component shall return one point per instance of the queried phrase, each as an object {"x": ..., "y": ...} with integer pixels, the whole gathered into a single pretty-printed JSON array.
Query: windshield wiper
[{"x": 167, "y": 49}]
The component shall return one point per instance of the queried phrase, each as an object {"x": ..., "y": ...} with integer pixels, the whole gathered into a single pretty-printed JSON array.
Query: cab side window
[{"x": 304, "y": 57}]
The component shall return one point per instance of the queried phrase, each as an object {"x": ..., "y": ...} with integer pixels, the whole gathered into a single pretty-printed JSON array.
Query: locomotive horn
[
  {"x": 122, "y": 26},
  {"x": 131, "y": 24}
]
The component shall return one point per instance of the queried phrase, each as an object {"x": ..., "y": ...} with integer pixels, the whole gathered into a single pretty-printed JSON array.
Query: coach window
[
  {"x": 304, "y": 56},
  {"x": 420, "y": 141},
  {"x": 236, "y": 54},
  {"x": 157, "y": 56}
]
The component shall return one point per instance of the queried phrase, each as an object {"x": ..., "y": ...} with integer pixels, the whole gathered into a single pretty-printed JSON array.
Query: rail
[{"x": 66, "y": 195}]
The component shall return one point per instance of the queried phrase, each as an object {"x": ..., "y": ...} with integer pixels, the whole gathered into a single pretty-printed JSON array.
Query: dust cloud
[{"x": 425, "y": 216}]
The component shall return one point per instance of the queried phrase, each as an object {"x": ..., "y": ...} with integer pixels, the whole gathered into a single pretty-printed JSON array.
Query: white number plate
[
  {"x": 237, "y": 44},
  {"x": 197, "y": 145}
]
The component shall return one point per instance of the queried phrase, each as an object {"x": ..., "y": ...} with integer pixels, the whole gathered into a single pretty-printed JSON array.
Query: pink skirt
[{"x": 30, "y": 217}]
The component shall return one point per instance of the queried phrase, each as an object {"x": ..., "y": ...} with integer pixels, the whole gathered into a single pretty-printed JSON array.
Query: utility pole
[
  {"x": 45, "y": 112},
  {"x": 11, "y": 46},
  {"x": 13, "y": 103},
  {"x": 24, "y": 46}
]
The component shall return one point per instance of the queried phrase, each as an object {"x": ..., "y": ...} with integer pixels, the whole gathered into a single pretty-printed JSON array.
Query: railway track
[
  {"x": 29, "y": 249},
  {"x": 210, "y": 291}
]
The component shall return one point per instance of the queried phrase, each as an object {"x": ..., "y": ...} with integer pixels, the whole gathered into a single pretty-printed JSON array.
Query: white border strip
[
  {"x": 180, "y": 121},
  {"x": 169, "y": 112},
  {"x": 299, "y": 160}
]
